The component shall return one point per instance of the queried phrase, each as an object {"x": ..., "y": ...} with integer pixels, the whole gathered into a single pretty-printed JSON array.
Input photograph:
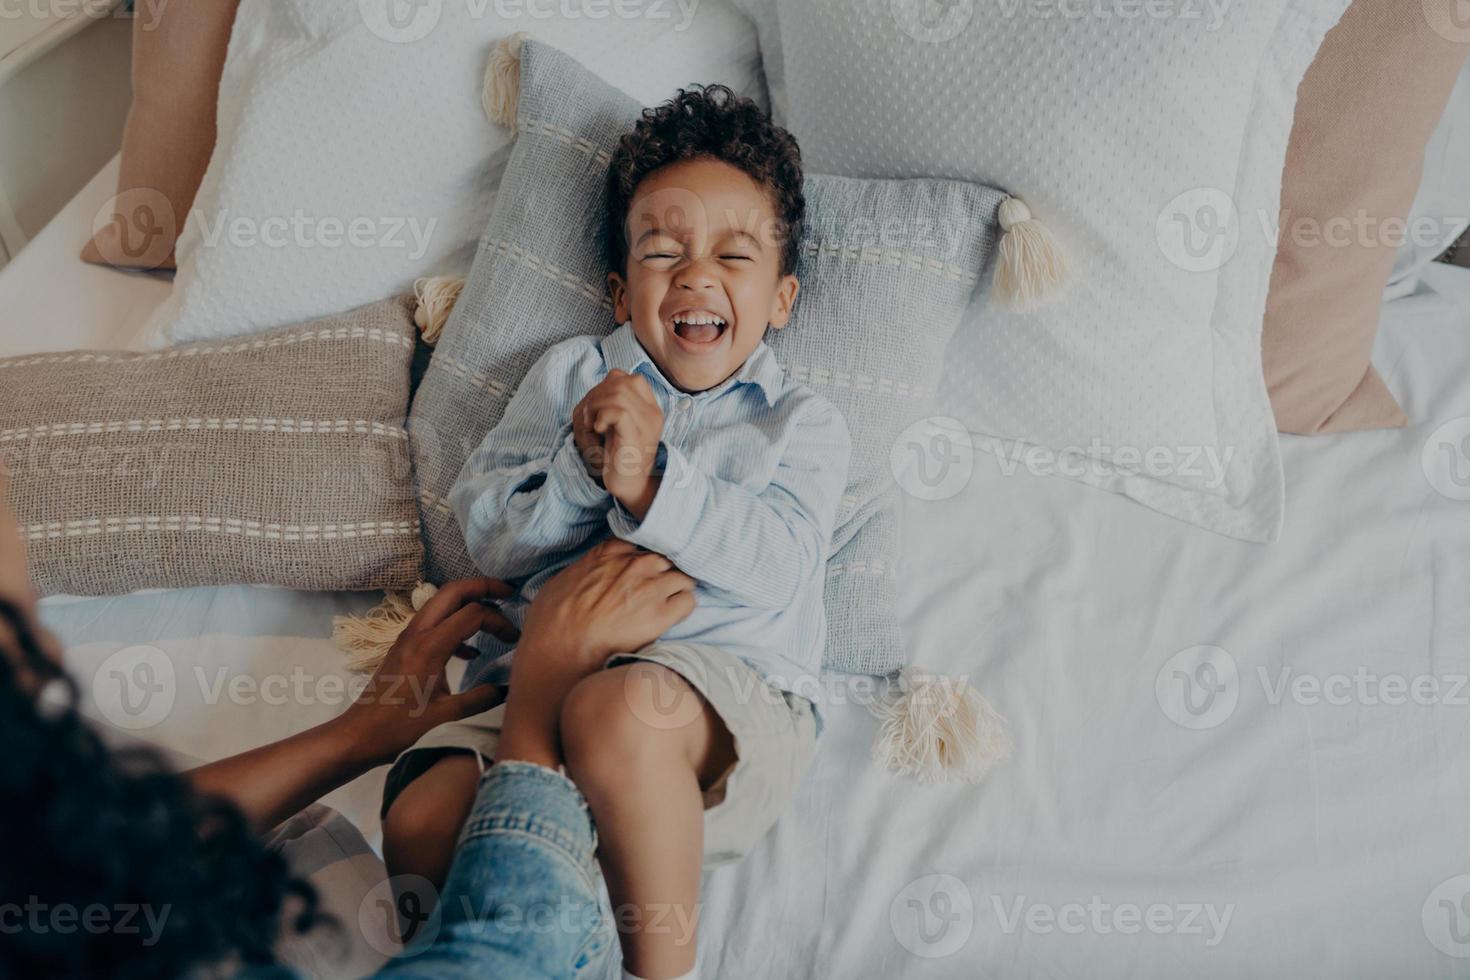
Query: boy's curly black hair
[
  {"x": 707, "y": 121},
  {"x": 90, "y": 831}
]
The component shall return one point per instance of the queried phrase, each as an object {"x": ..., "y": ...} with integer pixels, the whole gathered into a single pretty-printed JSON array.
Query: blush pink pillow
[
  {"x": 178, "y": 57},
  {"x": 1365, "y": 112}
]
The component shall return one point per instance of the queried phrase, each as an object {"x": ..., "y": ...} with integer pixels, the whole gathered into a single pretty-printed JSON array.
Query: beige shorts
[{"x": 774, "y": 732}]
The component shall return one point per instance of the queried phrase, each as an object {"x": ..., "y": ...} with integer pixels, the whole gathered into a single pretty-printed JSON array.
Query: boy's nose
[{"x": 696, "y": 275}]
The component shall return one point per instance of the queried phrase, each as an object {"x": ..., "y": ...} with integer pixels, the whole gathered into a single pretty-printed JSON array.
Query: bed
[{"x": 1231, "y": 760}]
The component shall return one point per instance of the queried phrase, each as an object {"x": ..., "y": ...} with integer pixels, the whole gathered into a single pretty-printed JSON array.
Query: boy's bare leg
[
  {"x": 422, "y": 827},
  {"x": 641, "y": 743}
]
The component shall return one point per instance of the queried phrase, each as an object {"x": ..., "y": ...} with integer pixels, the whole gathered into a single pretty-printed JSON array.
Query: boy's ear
[
  {"x": 619, "y": 291},
  {"x": 783, "y": 301}
]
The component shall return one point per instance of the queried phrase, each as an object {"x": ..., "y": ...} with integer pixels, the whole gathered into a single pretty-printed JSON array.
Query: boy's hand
[
  {"x": 623, "y": 413},
  {"x": 589, "y": 443}
]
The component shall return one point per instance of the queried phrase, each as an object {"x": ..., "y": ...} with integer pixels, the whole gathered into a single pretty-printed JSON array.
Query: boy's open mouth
[{"x": 699, "y": 326}]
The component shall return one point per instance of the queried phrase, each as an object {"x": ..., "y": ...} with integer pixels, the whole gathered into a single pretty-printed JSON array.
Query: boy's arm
[
  {"x": 756, "y": 548},
  {"x": 524, "y": 497}
]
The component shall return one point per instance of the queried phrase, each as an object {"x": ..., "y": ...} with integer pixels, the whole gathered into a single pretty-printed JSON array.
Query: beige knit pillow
[
  {"x": 1365, "y": 113},
  {"x": 277, "y": 459},
  {"x": 178, "y": 57}
]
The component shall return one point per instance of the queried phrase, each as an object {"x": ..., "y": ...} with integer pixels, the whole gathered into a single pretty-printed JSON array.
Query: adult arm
[{"x": 407, "y": 695}]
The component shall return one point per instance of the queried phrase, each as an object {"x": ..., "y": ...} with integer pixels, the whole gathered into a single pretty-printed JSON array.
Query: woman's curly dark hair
[
  {"x": 707, "y": 121},
  {"x": 86, "y": 827}
]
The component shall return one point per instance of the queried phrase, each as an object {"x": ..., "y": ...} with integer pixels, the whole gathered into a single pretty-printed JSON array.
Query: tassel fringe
[
  {"x": 1030, "y": 267},
  {"x": 501, "y": 95},
  {"x": 368, "y": 638},
  {"x": 437, "y": 296},
  {"x": 939, "y": 730}
]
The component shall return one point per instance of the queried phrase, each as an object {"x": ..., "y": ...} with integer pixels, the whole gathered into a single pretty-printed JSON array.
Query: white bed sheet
[{"x": 1328, "y": 839}]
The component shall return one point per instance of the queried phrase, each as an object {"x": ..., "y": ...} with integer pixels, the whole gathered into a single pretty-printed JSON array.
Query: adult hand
[
  {"x": 409, "y": 693},
  {"x": 615, "y": 598}
]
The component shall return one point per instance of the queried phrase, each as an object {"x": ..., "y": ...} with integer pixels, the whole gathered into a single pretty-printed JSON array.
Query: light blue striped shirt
[{"x": 753, "y": 471}]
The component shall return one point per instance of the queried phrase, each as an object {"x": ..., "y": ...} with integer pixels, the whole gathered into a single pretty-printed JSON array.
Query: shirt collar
[{"x": 622, "y": 351}]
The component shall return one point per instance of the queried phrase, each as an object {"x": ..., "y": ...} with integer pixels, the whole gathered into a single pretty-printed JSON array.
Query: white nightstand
[{"x": 64, "y": 94}]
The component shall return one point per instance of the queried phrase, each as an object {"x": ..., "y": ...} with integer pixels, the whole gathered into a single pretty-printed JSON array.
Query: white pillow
[
  {"x": 1116, "y": 122},
  {"x": 1441, "y": 211},
  {"x": 353, "y": 154}
]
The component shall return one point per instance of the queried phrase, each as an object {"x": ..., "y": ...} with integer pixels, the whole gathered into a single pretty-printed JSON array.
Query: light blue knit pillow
[{"x": 887, "y": 268}]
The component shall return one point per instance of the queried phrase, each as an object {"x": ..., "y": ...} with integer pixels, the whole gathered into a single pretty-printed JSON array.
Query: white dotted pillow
[{"x": 1153, "y": 142}]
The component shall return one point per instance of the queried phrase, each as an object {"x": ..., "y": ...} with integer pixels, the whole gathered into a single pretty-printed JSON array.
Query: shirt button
[{"x": 686, "y": 403}]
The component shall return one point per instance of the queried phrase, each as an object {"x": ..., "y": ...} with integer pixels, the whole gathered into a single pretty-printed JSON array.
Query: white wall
[{"x": 61, "y": 119}]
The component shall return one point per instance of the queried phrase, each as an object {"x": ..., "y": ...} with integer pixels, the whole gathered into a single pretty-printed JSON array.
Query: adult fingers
[
  {"x": 447, "y": 636},
  {"x": 497, "y": 625},
  {"x": 680, "y": 605},
  {"x": 673, "y": 582},
  {"x": 665, "y": 583},
  {"x": 453, "y": 597},
  {"x": 610, "y": 549},
  {"x": 650, "y": 563},
  {"x": 674, "y": 609},
  {"x": 481, "y": 697}
]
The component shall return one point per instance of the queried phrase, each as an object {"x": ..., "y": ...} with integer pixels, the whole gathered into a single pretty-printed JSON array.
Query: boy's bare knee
[{"x": 618, "y": 723}]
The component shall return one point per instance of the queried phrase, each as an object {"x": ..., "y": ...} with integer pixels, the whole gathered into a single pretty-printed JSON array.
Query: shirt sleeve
[
  {"x": 523, "y": 498},
  {"x": 757, "y": 548}
]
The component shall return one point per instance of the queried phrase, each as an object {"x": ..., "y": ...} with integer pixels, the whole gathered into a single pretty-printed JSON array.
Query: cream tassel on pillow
[
  {"x": 939, "y": 729},
  {"x": 501, "y": 95},
  {"x": 369, "y": 637},
  {"x": 1030, "y": 266},
  {"x": 437, "y": 296}
]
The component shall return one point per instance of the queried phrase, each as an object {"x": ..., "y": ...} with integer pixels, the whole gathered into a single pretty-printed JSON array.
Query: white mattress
[
  {"x": 1321, "y": 835},
  {"x": 51, "y": 300}
]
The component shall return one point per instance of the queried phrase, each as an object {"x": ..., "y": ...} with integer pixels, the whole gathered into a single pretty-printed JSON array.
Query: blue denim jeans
[{"x": 523, "y": 898}]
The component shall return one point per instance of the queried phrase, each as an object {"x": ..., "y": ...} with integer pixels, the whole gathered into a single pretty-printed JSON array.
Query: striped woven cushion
[{"x": 277, "y": 459}]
